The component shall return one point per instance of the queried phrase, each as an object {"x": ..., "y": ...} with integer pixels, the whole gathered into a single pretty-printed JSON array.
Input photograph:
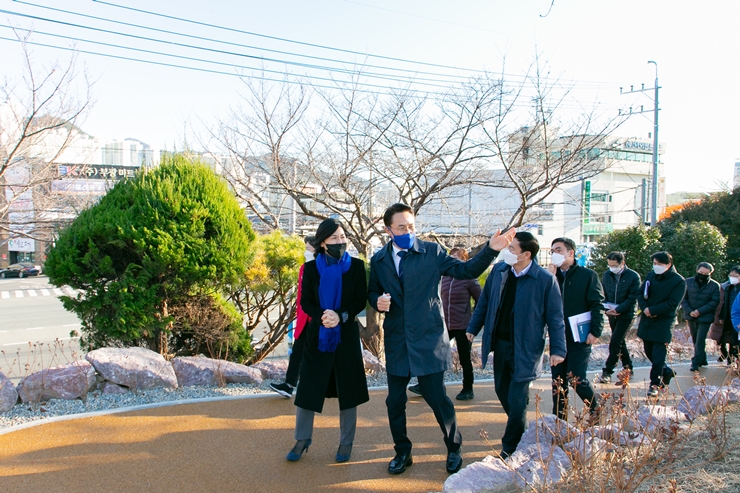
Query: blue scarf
[{"x": 330, "y": 296}]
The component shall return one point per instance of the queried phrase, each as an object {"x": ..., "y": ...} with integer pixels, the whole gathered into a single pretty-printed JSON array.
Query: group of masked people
[{"x": 522, "y": 305}]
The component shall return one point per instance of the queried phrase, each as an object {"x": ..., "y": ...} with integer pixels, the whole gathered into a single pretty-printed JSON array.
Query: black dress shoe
[
  {"x": 454, "y": 462},
  {"x": 400, "y": 462}
]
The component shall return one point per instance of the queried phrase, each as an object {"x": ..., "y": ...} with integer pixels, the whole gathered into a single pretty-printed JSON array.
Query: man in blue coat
[
  {"x": 404, "y": 283},
  {"x": 520, "y": 306}
]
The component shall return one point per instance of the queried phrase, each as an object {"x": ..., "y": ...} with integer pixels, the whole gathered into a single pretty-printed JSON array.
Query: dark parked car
[{"x": 19, "y": 270}]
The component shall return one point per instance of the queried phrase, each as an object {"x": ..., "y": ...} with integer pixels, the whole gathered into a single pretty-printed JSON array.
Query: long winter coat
[
  {"x": 342, "y": 372},
  {"x": 456, "y": 294},
  {"x": 538, "y": 312},
  {"x": 664, "y": 294},
  {"x": 703, "y": 298},
  {"x": 416, "y": 340}
]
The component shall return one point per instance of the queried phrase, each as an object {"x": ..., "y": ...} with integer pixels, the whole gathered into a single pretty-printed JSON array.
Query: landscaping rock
[
  {"x": 701, "y": 399},
  {"x": 586, "y": 446},
  {"x": 192, "y": 370},
  {"x": 616, "y": 435},
  {"x": 8, "y": 394},
  {"x": 539, "y": 465},
  {"x": 272, "y": 370},
  {"x": 491, "y": 475},
  {"x": 547, "y": 430},
  {"x": 372, "y": 363},
  {"x": 659, "y": 418},
  {"x": 136, "y": 368},
  {"x": 72, "y": 381},
  {"x": 113, "y": 389}
]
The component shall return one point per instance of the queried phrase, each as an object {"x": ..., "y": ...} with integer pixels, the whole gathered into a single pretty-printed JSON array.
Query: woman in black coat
[
  {"x": 456, "y": 296},
  {"x": 334, "y": 292}
]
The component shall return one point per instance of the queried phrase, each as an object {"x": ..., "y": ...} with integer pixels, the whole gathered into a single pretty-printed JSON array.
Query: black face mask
[
  {"x": 336, "y": 250},
  {"x": 702, "y": 278}
]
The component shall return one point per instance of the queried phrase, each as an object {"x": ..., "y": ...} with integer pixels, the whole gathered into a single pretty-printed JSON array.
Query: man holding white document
[{"x": 583, "y": 314}]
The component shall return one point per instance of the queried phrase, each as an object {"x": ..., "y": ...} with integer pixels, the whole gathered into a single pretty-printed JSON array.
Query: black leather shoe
[
  {"x": 400, "y": 462},
  {"x": 454, "y": 462}
]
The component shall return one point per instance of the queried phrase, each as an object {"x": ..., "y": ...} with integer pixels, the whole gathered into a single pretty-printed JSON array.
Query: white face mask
[
  {"x": 615, "y": 270},
  {"x": 308, "y": 255},
  {"x": 558, "y": 259},
  {"x": 509, "y": 257},
  {"x": 659, "y": 269},
  {"x": 734, "y": 280}
]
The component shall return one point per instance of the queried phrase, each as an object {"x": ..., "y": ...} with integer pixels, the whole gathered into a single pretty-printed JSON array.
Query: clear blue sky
[{"x": 598, "y": 45}]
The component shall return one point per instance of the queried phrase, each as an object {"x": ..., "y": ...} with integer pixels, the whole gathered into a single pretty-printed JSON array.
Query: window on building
[{"x": 600, "y": 197}]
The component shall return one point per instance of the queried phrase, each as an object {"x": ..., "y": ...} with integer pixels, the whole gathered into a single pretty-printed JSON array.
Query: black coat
[
  {"x": 664, "y": 294},
  {"x": 723, "y": 319},
  {"x": 456, "y": 294},
  {"x": 703, "y": 298},
  {"x": 582, "y": 292},
  {"x": 342, "y": 372},
  {"x": 623, "y": 290}
]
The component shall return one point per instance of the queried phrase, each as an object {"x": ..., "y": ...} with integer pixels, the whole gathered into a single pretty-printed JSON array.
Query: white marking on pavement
[
  {"x": 35, "y": 328},
  {"x": 71, "y": 325},
  {"x": 6, "y": 295},
  {"x": 15, "y": 343},
  {"x": 58, "y": 291},
  {"x": 19, "y": 294},
  {"x": 45, "y": 292},
  {"x": 32, "y": 293}
]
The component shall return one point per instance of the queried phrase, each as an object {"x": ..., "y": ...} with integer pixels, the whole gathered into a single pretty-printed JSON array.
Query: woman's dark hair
[
  {"x": 393, "y": 210},
  {"x": 463, "y": 252},
  {"x": 664, "y": 258},
  {"x": 616, "y": 257},
  {"x": 324, "y": 231},
  {"x": 569, "y": 244},
  {"x": 528, "y": 243}
]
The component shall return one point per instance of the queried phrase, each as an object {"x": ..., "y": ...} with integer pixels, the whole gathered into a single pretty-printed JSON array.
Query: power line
[{"x": 202, "y": 38}]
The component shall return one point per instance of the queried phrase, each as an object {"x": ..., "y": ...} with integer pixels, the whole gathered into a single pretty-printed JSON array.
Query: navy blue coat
[
  {"x": 538, "y": 312},
  {"x": 416, "y": 341}
]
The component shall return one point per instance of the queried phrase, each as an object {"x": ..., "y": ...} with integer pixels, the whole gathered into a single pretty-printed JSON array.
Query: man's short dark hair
[
  {"x": 308, "y": 240},
  {"x": 616, "y": 257},
  {"x": 735, "y": 268},
  {"x": 528, "y": 242},
  {"x": 569, "y": 244},
  {"x": 393, "y": 210},
  {"x": 706, "y": 265},
  {"x": 664, "y": 258}
]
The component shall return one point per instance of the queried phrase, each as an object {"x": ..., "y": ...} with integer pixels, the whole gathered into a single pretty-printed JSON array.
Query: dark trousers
[
  {"x": 699, "y": 331},
  {"x": 435, "y": 395},
  {"x": 463, "y": 351},
  {"x": 294, "y": 363},
  {"x": 617, "y": 345},
  {"x": 656, "y": 353},
  {"x": 575, "y": 366},
  {"x": 729, "y": 350},
  {"x": 514, "y": 396}
]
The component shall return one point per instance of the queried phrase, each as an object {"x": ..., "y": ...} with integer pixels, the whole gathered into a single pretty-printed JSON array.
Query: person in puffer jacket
[{"x": 456, "y": 296}]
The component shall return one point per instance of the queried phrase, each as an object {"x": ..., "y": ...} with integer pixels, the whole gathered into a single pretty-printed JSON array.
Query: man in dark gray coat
[
  {"x": 519, "y": 308},
  {"x": 404, "y": 283},
  {"x": 699, "y": 304}
]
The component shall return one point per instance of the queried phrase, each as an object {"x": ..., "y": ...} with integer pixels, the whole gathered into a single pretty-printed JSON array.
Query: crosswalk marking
[{"x": 33, "y": 293}]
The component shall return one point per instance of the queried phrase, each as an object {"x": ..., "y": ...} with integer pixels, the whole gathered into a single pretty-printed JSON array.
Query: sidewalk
[{"x": 240, "y": 446}]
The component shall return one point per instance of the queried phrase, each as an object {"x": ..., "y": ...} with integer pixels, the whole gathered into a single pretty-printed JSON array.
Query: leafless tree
[
  {"x": 40, "y": 114},
  {"x": 556, "y": 142}
]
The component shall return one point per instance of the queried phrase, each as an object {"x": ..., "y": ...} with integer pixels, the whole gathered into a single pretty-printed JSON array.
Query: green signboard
[
  {"x": 592, "y": 229},
  {"x": 586, "y": 202}
]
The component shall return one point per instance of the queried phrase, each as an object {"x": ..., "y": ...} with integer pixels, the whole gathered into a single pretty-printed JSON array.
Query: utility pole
[{"x": 654, "y": 188}]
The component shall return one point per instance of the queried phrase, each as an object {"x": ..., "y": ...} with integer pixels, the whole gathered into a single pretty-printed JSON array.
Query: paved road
[{"x": 31, "y": 312}]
